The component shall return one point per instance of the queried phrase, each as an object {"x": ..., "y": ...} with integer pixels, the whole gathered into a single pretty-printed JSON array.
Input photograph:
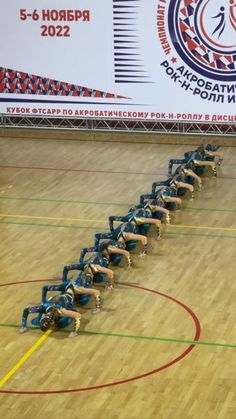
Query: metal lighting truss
[{"x": 114, "y": 125}]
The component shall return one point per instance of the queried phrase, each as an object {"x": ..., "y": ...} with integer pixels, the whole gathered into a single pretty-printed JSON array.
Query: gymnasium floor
[{"x": 164, "y": 345}]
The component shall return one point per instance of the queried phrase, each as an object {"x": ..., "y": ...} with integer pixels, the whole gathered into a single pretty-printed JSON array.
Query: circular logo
[{"x": 203, "y": 33}]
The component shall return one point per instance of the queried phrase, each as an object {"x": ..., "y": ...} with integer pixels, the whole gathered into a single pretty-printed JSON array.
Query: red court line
[
  {"x": 30, "y": 281},
  {"x": 127, "y": 380},
  {"x": 82, "y": 170},
  {"x": 60, "y": 169}
]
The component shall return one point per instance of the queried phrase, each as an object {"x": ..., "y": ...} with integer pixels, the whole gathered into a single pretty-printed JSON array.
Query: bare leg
[
  {"x": 138, "y": 237},
  {"x": 174, "y": 199},
  {"x": 215, "y": 154},
  {"x": 152, "y": 221},
  {"x": 210, "y": 164},
  {"x": 73, "y": 315},
  {"x": 94, "y": 293},
  {"x": 165, "y": 211},
  {"x": 109, "y": 274},
  {"x": 191, "y": 173},
  {"x": 187, "y": 186},
  {"x": 124, "y": 252}
]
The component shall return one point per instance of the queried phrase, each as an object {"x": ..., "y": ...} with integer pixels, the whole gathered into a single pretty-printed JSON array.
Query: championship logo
[{"x": 203, "y": 33}]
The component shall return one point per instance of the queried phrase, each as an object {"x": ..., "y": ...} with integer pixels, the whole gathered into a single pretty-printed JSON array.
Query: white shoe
[
  {"x": 158, "y": 237},
  {"x": 73, "y": 335},
  {"x": 95, "y": 310},
  {"x": 168, "y": 219},
  {"x": 109, "y": 287},
  {"x": 142, "y": 255}
]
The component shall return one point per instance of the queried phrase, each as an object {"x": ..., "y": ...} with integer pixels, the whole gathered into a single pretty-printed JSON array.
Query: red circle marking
[{"x": 127, "y": 380}]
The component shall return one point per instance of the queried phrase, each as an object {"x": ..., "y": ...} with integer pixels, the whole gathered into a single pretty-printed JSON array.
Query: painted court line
[
  {"x": 122, "y": 335},
  {"x": 69, "y": 170},
  {"x": 194, "y": 342},
  {"x": 106, "y": 228},
  {"x": 203, "y": 227},
  {"x": 34, "y": 217},
  {"x": 207, "y": 209},
  {"x": 62, "y": 201},
  {"x": 83, "y": 170},
  {"x": 173, "y": 233},
  {"x": 76, "y": 202},
  {"x": 24, "y": 358},
  {"x": 52, "y": 225},
  {"x": 105, "y": 221},
  {"x": 63, "y": 169},
  {"x": 182, "y": 341}
]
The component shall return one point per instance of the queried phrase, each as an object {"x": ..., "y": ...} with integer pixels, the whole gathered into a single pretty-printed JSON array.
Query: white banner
[{"x": 138, "y": 59}]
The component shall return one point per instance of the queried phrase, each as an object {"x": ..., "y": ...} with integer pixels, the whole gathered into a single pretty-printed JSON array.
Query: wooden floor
[{"x": 164, "y": 346}]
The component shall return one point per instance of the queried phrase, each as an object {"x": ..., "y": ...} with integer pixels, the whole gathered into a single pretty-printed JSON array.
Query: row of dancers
[{"x": 153, "y": 209}]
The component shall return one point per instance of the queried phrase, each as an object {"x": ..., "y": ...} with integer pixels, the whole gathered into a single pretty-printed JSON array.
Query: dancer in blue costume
[
  {"x": 187, "y": 174},
  {"x": 97, "y": 263},
  {"x": 210, "y": 151},
  {"x": 141, "y": 216},
  {"x": 111, "y": 250},
  {"x": 84, "y": 290},
  {"x": 178, "y": 181},
  {"x": 125, "y": 233},
  {"x": 85, "y": 279},
  {"x": 168, "y": 195},
  {"x": 56, "y": 312},
  {"x": 201, "y": 158},
  {"x": 154, "y": 204}
]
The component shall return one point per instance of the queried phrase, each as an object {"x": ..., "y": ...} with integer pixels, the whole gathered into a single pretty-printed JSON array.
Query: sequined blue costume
[
  {"x": 126, "y": 227},
  {"x": 64, "y": 300},
  {"x": 103, "y": 250}
]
